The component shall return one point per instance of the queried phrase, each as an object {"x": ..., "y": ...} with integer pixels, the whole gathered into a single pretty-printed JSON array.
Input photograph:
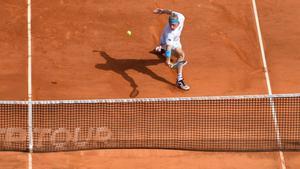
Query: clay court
[{"x": 80, "y": 50}]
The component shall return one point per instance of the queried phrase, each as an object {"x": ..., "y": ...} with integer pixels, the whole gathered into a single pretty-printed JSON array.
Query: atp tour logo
[{"x": 59, "y": 138}]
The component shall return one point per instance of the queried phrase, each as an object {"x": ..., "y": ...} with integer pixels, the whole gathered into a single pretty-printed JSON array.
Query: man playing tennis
[{"x": 170, "y": 43}]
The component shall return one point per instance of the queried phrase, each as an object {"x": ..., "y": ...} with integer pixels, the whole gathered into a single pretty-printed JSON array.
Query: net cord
[{"x": 137, "y": 100}]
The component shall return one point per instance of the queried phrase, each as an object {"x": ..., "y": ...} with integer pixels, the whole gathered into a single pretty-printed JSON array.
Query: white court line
[
  {"x": 29, "y": 49},
  {"x": 30, "y": 160},
  {"x": 29, "y": 74},
  {"x": 262, "y": 50}
]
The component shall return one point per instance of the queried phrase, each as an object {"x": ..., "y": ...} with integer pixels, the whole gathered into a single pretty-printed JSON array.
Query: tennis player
[{"x": 170, "y": 43}]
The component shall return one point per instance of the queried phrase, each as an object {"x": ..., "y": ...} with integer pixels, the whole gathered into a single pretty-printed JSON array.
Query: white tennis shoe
[{"x": 180, "y": 84}]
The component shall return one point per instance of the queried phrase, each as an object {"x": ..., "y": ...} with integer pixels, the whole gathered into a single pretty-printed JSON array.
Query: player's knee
[{"x": 181, "y": 56}]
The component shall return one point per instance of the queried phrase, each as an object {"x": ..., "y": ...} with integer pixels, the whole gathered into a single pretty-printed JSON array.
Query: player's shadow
[{"x": 120, "y": 66}]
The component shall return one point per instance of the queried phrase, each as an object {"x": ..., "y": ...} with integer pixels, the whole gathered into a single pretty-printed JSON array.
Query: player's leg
[
  {"x": 181, "y": 63},
  {"x": 181, "y": 59},
  {"x": 180, "y": 54}
]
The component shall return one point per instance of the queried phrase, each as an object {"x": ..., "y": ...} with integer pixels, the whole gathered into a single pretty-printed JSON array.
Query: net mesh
[
  {"x": 207, "y": 124},
  {"x": 13, "y": 126}
]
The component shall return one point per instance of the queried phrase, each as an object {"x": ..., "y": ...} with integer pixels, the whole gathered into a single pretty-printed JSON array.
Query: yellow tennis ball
[{"x": 129, "y": 33}]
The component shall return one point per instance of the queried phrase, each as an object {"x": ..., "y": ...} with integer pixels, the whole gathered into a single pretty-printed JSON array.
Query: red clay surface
[
  {"x": 13, "y": 47},
  {"x": 280, "y": 22},
  {"x": 13, "y": 160},
  {"x": 220, "y": 41},
  {"x": 143, "y": 159},
  {"x": 157, "y": 159},
  {"x": 219, "y": 36}
]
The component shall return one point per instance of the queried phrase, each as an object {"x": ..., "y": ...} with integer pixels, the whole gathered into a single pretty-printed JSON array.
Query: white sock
[{"x": 179, "y": 77}]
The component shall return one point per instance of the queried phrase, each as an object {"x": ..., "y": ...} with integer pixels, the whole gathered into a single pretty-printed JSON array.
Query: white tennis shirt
[{"x": 172, "y": 37}]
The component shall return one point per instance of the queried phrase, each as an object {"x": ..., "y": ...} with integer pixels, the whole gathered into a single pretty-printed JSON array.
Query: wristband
[{"x": 168, "y": 53}]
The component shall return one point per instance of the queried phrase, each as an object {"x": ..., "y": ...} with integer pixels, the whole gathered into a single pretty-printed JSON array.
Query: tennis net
[{"x": 229, "y": 123}]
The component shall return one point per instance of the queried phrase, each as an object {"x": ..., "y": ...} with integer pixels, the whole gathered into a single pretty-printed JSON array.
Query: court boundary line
[
  {"x": 267, "y": 76},
  {"x": 29, "y": 74},
  {"x": 29, "y": 160}
]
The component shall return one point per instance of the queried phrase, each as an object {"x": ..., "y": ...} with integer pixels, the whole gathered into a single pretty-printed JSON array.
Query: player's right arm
[
  {"x": 169, "y": 12},
  {"x": 162, "y": 11}
]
